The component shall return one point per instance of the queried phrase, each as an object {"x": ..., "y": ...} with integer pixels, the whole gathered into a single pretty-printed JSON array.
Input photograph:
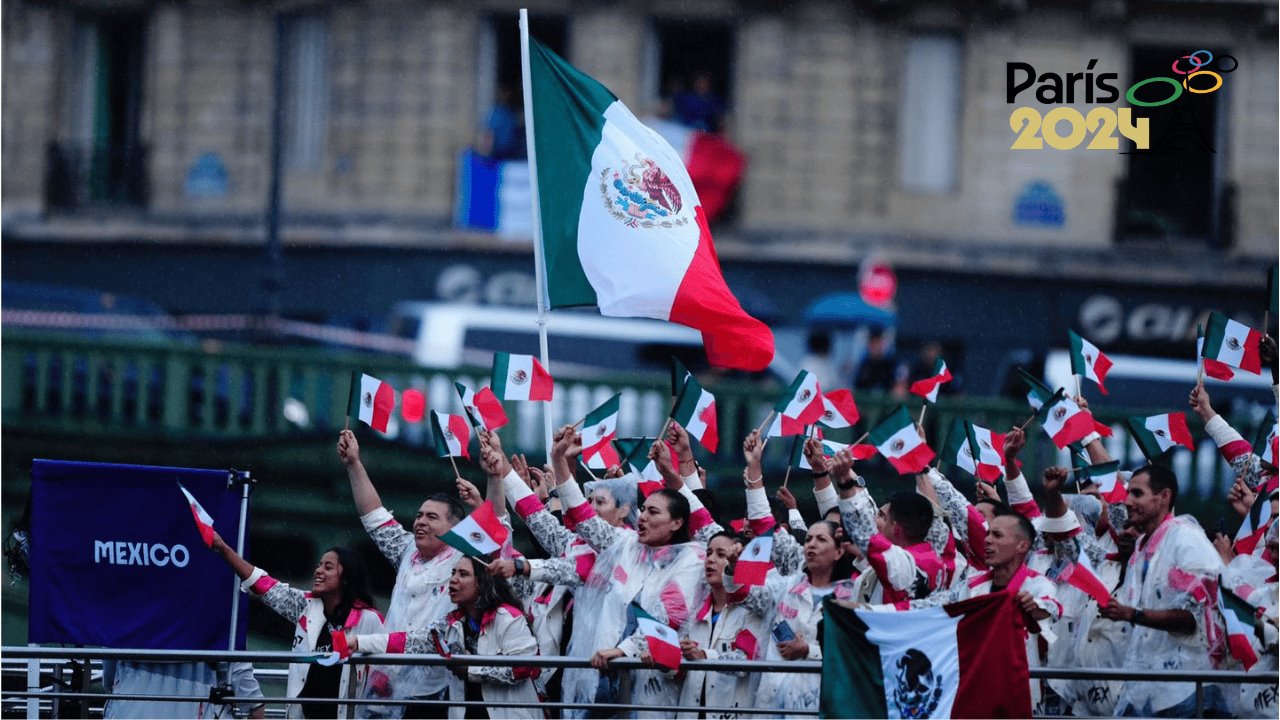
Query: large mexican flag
[
  {"x": 622, "y": 227},
  {"x": 964, "y": 660}
]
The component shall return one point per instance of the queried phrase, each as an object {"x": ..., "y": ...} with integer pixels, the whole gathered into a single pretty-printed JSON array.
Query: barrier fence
[{"x": 45, "y": 703}]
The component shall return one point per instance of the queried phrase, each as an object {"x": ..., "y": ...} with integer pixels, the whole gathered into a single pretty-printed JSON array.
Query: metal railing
[{"x": 1199, "y": 678}]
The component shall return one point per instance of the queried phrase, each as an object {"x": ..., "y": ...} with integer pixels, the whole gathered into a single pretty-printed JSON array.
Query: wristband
[
  {"x": 822, "y": 474},
  {"x": 846, "y": 484},
  {"x": 1137, "y": 618}
]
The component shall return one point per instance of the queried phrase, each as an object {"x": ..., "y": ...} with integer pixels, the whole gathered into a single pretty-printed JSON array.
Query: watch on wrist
[
  {"x": 554, "y": 493},
  {"x": 849, "y": 484},
  {"x": 519, "y": 563},
  {"x": 1137, "y": 617}
]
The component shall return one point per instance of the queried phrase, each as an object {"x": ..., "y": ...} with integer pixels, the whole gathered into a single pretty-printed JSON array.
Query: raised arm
[
  {"x": 362, "y": 489},
  {"x": 1020, "y": 497},
  {"x": 577, "y": 511},
  {"x": 1235, "y": 449},
  {"x": 787, "y": 555},
  {"x": 553, "y": 536},
  {"x": 1093, "y": 441},
  {"x": 284, "y": 600},
  {"x": 701, "y": 525}
]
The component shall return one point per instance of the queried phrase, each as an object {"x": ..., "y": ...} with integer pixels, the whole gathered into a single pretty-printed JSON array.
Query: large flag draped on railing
[
  {"x": 622, "y": 227},
  {"x": 964, "y": 660}
]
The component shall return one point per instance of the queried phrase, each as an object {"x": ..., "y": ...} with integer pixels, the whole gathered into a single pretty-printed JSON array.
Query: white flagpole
[{"x": 539, "y": 261}]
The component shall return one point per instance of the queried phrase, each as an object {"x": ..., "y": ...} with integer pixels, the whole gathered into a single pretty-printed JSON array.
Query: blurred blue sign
[{"x": 1039, "y": 205}]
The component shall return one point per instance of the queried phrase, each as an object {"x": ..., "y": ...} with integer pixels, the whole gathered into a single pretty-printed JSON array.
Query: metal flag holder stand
[{"x": 246, "y": 483}]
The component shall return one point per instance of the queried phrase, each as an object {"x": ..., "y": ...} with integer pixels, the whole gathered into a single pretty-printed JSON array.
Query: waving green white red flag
[{"x": 622, "y": 227}]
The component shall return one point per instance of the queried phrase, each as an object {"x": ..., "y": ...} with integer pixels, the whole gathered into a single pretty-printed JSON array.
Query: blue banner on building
[{"x": 117, "y": 561}]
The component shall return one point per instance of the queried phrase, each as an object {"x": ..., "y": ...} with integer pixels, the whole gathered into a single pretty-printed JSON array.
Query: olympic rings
[
  {"x": 1198, "y": 60},
  {"x": 1130, "y": 96},
  {"x": 1186, "y": 83}
]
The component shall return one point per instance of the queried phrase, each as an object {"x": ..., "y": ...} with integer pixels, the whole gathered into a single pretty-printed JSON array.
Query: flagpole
[
  {"x": 454, "y": 463},
  {"x": 923, "y": 407},
  {"x": 539, "y": 260},
  {"x": 1077, "y": 386},
  {"x": 767, "y": 419},
  {"x": 243, "y": 479}
]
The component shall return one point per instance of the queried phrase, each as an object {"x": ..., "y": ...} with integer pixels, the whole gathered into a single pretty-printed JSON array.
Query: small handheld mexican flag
[
  {"x": 679, "y": 373},
  {"x": 695, "y": 410},
  {"x": 1063, "y": 420},
  {"x": 1233, "y": 343},
  {"x": 452, "y": 434},
  {"x": 1254, "y": 527},
  {"x": 1158, "y": 434},
  {"x": 636, "y": 454},
  {"x": 754, "y": 562},
  {"x": 1088, "y": 361},
  {"x": 664, "y": 644},
  {"x": 482, "y": 407},
  {"x": 800, "y": 404},
  {"x": 371, "y": 400},
  {"x": 975, "y": 451},
  {"x": 1212, "y": 368},
  {"x": 520, "y": 377},
  {"x": 928, "y": 387},
  {"x": 479, "y": 535},
  {"x": 897, "y": 439},
  {"x": 1107, "y": 477},
  {"x": 1241, "y": 619},
  {"x": 204, "y": 522},
  {"x": 838, "y": 409},
  {"x": 600, "y": 426},
  {"x": 1081, "y": 575},
  {"x": 602, "y": 457},
  {"x": 829, "y": 448}
]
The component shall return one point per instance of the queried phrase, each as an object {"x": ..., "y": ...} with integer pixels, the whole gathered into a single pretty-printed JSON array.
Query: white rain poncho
[
  {"x": 1175, "y": 567},
  {"x": 665, "y": 581}
]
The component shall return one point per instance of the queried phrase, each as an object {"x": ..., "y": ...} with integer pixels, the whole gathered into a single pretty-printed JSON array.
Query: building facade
[{"x": 885, "y": 120}]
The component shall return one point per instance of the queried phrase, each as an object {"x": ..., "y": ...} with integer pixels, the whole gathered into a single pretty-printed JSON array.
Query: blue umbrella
[{"x": 847, "y": 310}]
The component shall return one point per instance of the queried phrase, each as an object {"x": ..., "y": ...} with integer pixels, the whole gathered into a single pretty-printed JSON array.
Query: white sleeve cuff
[
  {"x": 375, "y": 644},
  {"x": 1019, "y": 491},
  {"x": 796, "y": 520},
  {"x": 827, "y": 498},
  {"x": 692, "y": 481},
  {"x": 694, "y": 503},
  {"x": 1090, "y": 438},
  {"x": 571, "y": 495},
  {"x": 757, "y": 503},
  {"x": 376, "y": 518},
  {"x": 1221, "y": 432},
  {"x": 1061, "y": 524},
  {"x": 514, "y": 488},
  {"x": 247, "y": 584}
]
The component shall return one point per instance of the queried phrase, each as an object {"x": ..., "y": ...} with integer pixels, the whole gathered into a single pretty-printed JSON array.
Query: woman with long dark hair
[
  {"x": 488, "y": 621},
  {"x": 339, "y": 601}
]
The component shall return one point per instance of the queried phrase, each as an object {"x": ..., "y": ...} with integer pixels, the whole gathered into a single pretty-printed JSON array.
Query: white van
[{"x": 581, "y": 343}]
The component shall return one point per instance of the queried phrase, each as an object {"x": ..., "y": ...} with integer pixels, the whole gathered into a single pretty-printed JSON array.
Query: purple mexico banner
[{"x": 117, "y": 560}]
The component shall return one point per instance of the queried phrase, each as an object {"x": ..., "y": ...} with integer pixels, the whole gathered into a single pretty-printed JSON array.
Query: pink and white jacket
[{"x": 307, "y": 614}]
